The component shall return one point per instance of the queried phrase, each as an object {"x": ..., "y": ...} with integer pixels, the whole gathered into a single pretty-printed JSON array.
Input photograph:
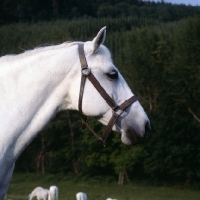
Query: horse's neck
[{"x": 33, "y": 92}]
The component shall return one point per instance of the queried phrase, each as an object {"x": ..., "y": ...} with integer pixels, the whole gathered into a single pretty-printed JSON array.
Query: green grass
[{"x": 22, "y": 184}]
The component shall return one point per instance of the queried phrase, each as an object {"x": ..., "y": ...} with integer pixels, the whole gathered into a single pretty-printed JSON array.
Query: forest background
[{"x": 156, "y": 47}]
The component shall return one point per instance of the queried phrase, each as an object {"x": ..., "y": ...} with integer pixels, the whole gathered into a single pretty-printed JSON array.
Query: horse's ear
[{"x": 99, "y": 39}]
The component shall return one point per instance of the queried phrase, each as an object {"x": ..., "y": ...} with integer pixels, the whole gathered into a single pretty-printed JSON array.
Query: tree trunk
[
  {"x": 121, "y": 178},
  {"x": 55, "y": 6}
]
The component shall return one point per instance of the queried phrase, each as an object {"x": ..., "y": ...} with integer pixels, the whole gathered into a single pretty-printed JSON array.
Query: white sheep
[{"x": 110, "y": 199}]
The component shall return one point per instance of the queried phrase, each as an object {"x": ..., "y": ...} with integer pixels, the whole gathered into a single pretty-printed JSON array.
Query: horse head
[{"x": 132, "y": 122}]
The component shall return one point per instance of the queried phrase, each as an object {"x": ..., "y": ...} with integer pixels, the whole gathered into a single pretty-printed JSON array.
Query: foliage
[
  {"x": 160, "y": 62},
  {"x": 12, "y": 11},
  {"x": 179, "y": 150}
]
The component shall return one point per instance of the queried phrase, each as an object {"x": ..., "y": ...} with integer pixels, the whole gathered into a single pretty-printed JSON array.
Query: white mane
[{"x": 38, "y": 49}]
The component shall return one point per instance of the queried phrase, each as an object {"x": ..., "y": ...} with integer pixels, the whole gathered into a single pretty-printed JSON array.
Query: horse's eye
[{"x": 113, "y": 75}]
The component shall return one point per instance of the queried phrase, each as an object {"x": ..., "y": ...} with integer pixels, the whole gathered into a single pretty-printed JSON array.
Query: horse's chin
[{"x": 129, "y": 138}]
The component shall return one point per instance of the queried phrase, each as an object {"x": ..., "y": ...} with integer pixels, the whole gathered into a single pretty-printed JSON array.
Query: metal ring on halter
[
  {"x": 86, "y": 71},
  {"x": 117, "y": 111}
]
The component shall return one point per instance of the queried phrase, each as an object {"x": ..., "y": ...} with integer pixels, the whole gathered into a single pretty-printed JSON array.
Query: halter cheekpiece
[{"x": 117, "y": 109}]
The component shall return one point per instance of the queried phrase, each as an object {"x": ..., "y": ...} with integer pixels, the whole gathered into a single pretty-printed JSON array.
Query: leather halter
[{"x": 117, "y": 109}]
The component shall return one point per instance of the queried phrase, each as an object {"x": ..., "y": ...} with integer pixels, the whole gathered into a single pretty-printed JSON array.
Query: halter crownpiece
[{"x": 117, "y": 109}]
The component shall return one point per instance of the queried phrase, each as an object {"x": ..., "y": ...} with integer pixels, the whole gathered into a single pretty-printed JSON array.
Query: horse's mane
[{"x": 37, "y": 50}]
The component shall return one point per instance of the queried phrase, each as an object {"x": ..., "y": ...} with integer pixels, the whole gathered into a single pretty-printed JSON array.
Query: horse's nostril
[{"x": 147, "y": 130}]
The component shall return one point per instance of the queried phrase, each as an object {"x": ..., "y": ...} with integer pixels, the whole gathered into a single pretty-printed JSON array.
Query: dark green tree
[{"x": 176, "y": 149}]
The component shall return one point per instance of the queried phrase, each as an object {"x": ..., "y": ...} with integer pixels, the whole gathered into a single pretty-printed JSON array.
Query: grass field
[{"x": 22, "y": 184}]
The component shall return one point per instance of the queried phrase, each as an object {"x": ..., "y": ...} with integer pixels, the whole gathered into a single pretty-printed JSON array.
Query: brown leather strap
[
  {"x": 82, "y": 84},
  {"x": 83, "y": 78},
  {"x": 93, "y": 80},
  {"x": 82, "y": 56},
  {"x": 86, "y": 73},
  {"x": 95, "y": 134},
  {"x": 117, "y": 110},
  {"x": 127, "y": 103},
  {"x": 108, "y": 128},
  {"x": 114, "y": 117},
  {"x": 101, "y": 91}
]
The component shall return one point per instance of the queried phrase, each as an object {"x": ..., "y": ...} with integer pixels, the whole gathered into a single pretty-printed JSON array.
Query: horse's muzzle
[{"x": 132, "y": 138}]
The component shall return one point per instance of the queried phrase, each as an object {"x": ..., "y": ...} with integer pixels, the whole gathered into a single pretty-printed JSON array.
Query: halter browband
[{"x": 117, "y": 109}]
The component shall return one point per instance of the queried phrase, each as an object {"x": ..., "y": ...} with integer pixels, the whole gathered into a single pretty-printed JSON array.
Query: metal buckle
[
  {"x": 117, "y": 111},
  {"x": 86, "y": 71}
]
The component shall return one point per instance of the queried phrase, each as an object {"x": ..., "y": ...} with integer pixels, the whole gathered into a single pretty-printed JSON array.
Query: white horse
[
  {"x": 53, "y": 193},
  {"x": 40, "y": 193},
  {"x": 81, "y": 196},
  {"x": 37, "y": 84}
]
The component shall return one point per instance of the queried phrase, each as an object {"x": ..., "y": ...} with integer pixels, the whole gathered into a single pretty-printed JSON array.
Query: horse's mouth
[{"x": 130, "y": 138}]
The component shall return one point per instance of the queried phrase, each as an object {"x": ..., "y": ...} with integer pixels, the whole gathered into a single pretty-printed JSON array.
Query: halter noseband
[{"x": 117, "y": 109}]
